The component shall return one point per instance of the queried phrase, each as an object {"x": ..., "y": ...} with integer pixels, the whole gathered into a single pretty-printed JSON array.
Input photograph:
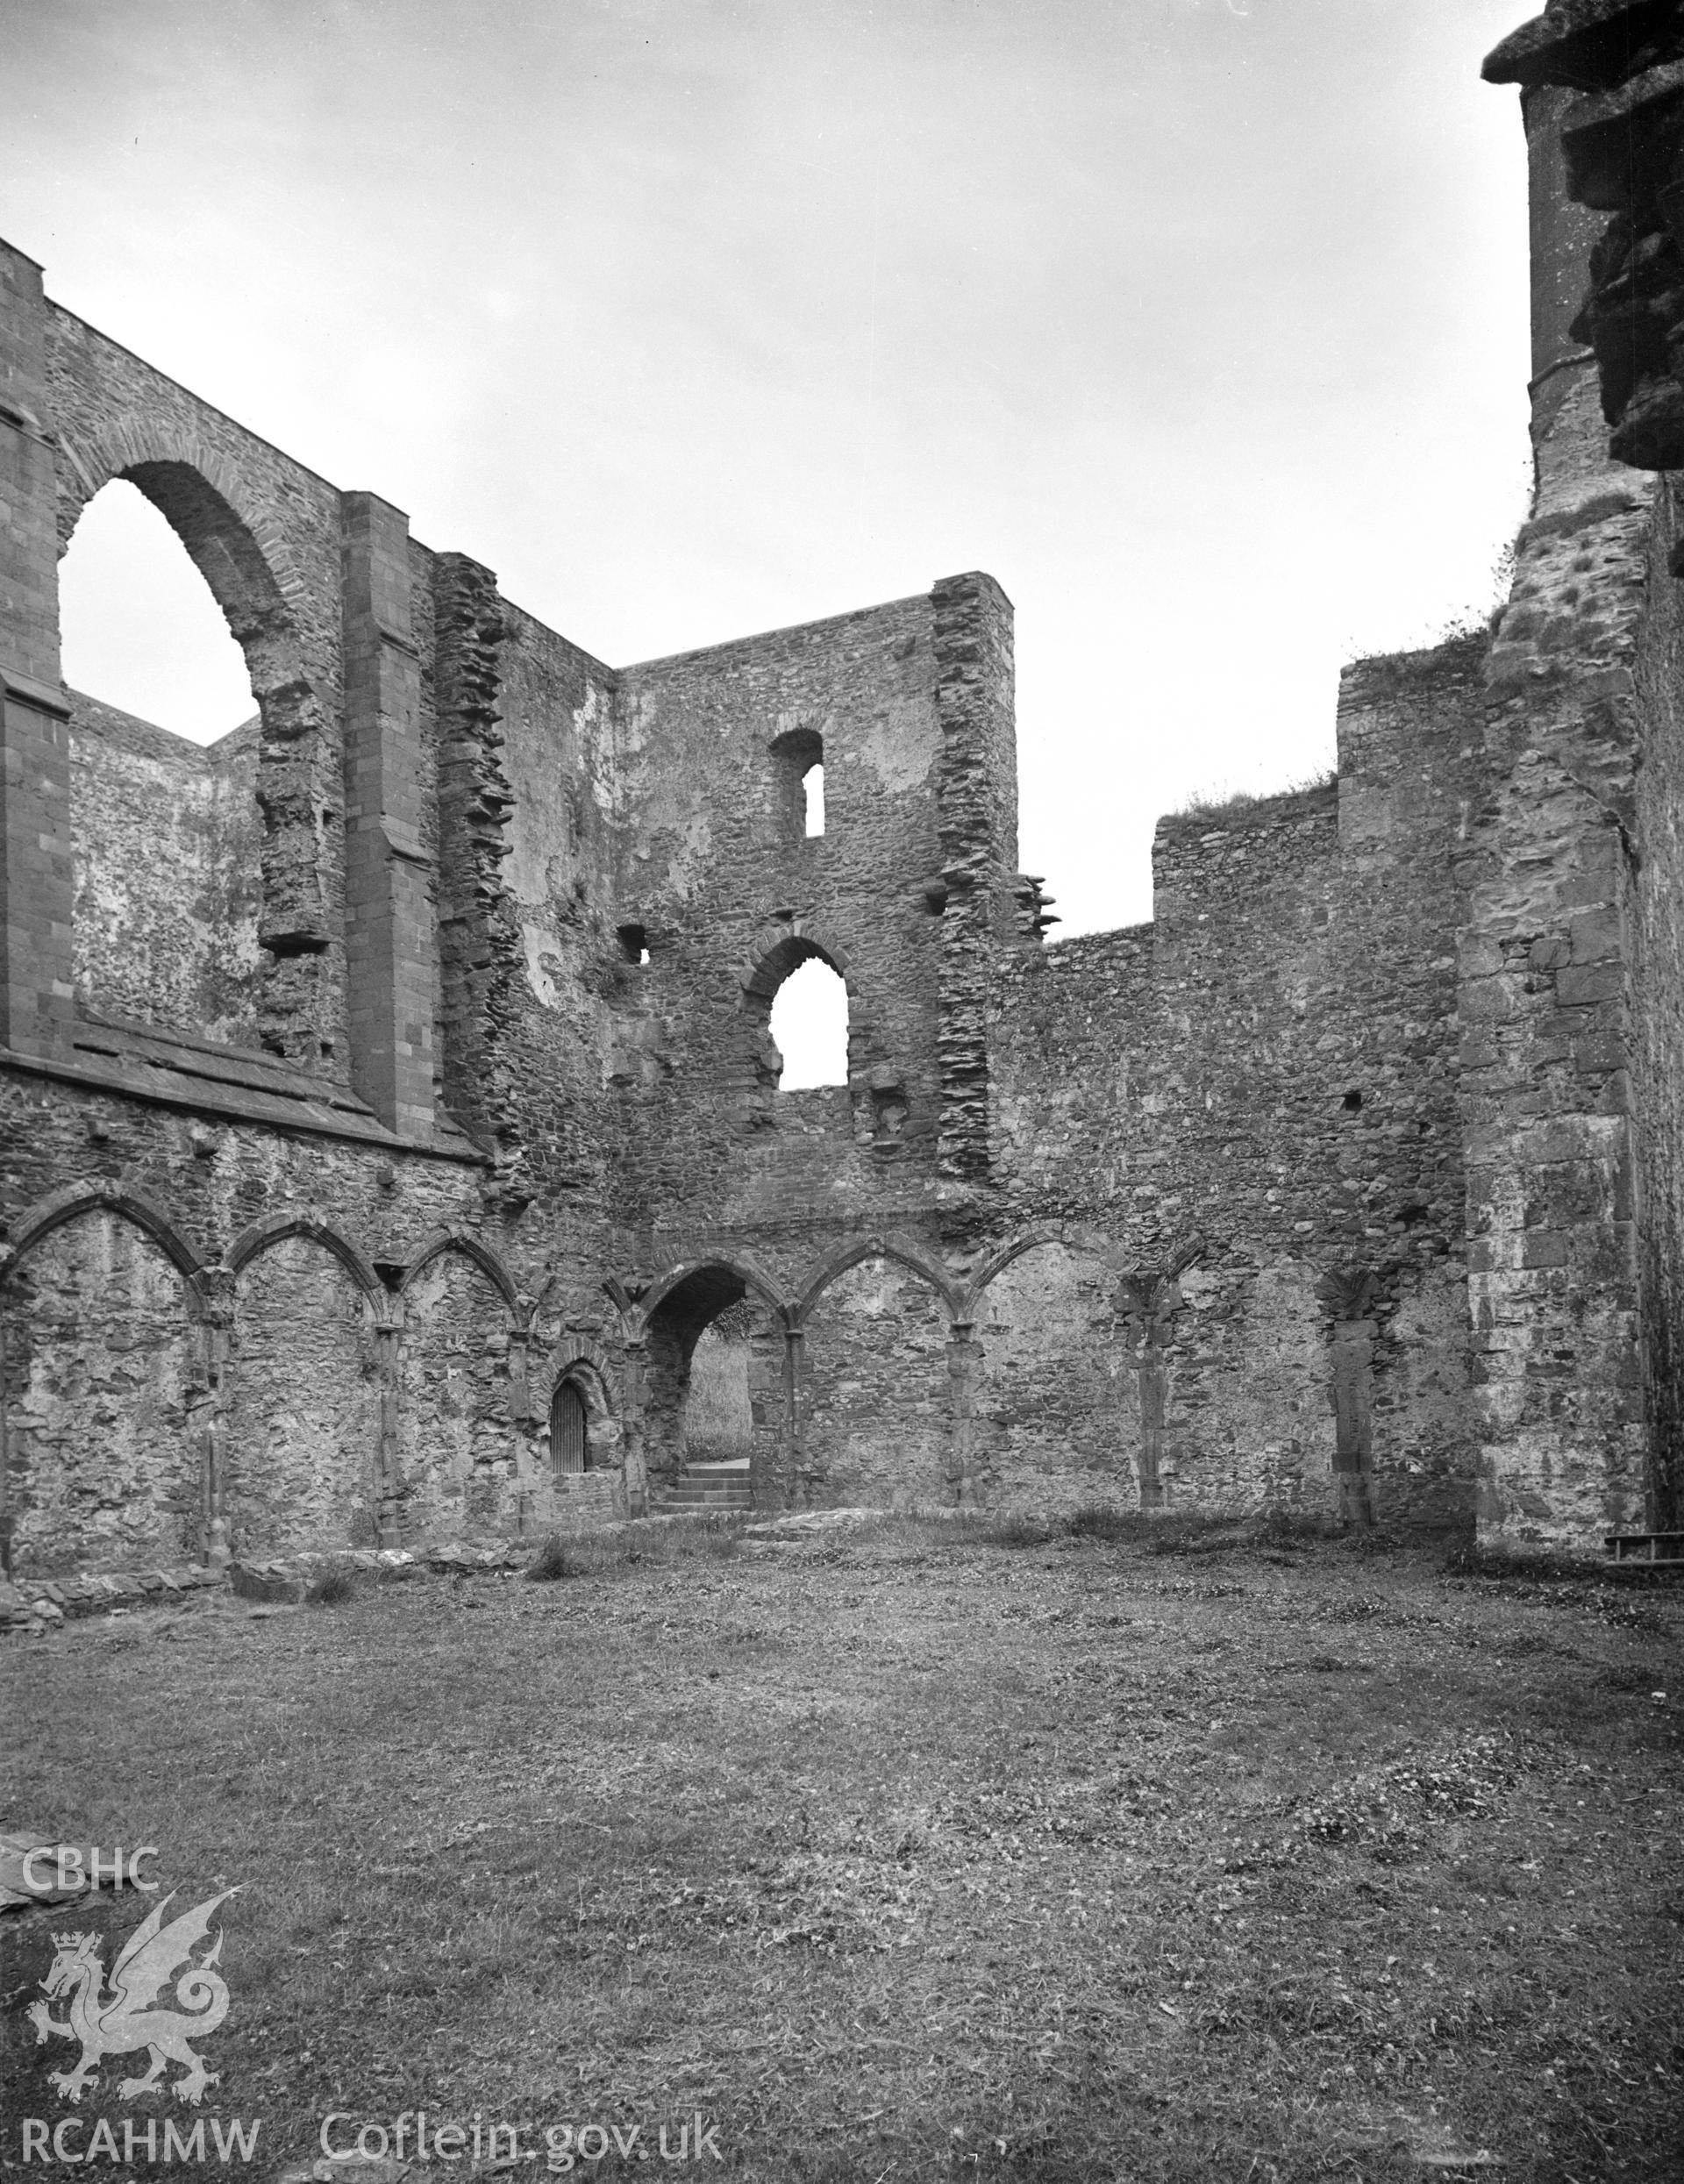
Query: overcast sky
[{"x": 1200, "y": 323}]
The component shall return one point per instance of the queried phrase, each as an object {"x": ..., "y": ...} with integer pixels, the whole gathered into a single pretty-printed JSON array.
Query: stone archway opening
[
  {"x": 800, "y": 1035},
  {"x": 256, "y": 794},
  {"x": 808, "y": 1025},
  {"x": 141, "y": 631},
  {"x": 716, "y": 1394},
  {"x": 167, "y": 904}
]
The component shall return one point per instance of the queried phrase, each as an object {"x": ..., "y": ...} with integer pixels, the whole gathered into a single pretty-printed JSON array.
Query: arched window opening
[
  {"x": 810, "y": 1026},
  {"x": 147, "y": 649},
  {"x": 812, "y": 782},
  {"x": 139, "y": 628},
  {"x": 569, "y": 1432}
]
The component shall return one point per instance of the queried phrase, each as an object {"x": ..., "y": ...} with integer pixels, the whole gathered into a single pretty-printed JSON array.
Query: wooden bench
[{"x": 1645, "y": 1546}]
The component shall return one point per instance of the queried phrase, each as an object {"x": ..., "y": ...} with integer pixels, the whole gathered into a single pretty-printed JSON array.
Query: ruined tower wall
[
  {"x": 907, "y": 895},
  {"x": 731, "y": 894},
  {"x": 1566, "y": 959},
  {"x": 1573, "y": 991},
  {"x": 1658, "y": 1072}
]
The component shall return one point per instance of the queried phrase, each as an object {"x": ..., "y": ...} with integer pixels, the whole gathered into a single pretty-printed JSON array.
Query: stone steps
[{"x": 707, "y": 1489}]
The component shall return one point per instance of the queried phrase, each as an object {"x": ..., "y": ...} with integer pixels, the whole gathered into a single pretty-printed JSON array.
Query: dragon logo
[{"x": 127, "y": 2018}]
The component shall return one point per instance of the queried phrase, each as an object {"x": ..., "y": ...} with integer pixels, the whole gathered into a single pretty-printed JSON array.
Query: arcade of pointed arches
[{"x": 568, "y": 1416}]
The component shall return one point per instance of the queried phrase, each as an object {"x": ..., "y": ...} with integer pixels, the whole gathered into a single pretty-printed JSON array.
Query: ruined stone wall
[
  {"x": 730, "y": 896},
  {"x": 1547, "y": 1006},
  {"x": 339, "y": 893},
  {"x": 1055, "y": 1404},
  {"x": 1572, "y": 971},
  {"x": 455, "y": 1078},
  {"x": 575, "y": 1024},
  {"x": 165, "y": 842},
  {"x": 1253, "y": 1107},
  {"x": 1658, "y": 1075},
  {"x": 972, "y": 637},
  {"x": 1573, "y": 996},
  {"x": 283, "y": 1350}
]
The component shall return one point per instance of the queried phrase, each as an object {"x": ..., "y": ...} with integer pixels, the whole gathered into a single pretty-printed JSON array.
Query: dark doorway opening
[{"x": 569, "y": 1432}]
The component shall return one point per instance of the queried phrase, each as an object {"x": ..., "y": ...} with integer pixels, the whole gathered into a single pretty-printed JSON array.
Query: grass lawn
[{"x": 917, "y": 1852}]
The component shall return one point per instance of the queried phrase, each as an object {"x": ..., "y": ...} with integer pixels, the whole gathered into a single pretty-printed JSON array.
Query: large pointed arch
[
  {"x": 305, "y": 1221},
  {"x": 903, "y": 1250},
  {"x": 135, "y": 1206},
  {"x": 468, "y": 1247},
  {"x": 743, "y": 1266},
  {"x": 680, "y": 1309},
  {"x": 1074, "y": 1235},
  {"x": 239, "y": 548},
  {"x": 237, "y": 545}
]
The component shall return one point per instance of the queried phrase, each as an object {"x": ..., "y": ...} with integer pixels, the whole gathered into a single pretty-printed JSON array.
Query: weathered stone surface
[
  {"x": 416, "y": 1091},
  {"x": 165, "y": 842},
  {"x": 303, "y": 1427},
  {"x": 457, "y": 1441},
  {"x": 256, "y": 1583},
  {"x": 875, "y": 1395},
  {"x": 100, "y": 1375}
]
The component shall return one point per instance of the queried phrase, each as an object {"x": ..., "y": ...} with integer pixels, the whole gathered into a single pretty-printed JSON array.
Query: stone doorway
[{"x": 715, "y": 1406}]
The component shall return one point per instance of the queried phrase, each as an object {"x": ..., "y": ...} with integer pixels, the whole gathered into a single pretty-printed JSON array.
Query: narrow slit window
[{"x": 799, "y": 784}]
